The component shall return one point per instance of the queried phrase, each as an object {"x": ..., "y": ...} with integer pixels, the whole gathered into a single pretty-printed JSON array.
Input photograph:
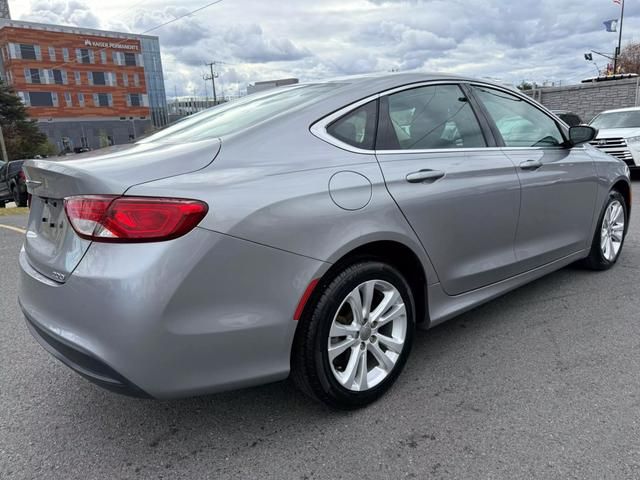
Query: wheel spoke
[
  {"x": 395, "y": 312},
  {"x": 340, "y": 347},
  {"x": 342, "y": 330},
  {"x": 390, "y": 298},
  {"x": 616, "y": 235},
  {"x": 350, "y": 371},
  {"x": 391, "y": 343},
  {"x": 363, "y": 371},
  {"x": 367, "y": 298},
  {"x": 384, "y": 362},
  {"x": 355, "y": 302}
]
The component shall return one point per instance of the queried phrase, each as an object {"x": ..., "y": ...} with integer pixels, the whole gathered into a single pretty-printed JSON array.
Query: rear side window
[
  {"x": 358, "y": 127},
  {"x": 432, "y": 117},
  {"x": 520, "y": 123}
]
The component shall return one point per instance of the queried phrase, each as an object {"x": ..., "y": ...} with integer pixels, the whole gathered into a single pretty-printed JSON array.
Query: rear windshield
[
  {"x": 630, "y": 119},
  {"x": 236, "y": 116}
]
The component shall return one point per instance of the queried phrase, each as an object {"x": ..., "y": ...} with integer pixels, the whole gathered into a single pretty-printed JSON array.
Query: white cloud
[{"x": 310, "y": 39}]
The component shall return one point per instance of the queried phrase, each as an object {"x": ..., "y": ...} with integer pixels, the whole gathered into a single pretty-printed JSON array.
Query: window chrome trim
[{"x": 319, "y": 128}]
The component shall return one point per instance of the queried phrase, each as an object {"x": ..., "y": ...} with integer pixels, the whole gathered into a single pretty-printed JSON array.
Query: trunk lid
[{"x": 51, "y": 245}]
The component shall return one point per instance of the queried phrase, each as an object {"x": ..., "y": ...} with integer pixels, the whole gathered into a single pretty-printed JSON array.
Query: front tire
[
  {"x": 355, "y": 336},
  {"x": 610, "y": 234}
]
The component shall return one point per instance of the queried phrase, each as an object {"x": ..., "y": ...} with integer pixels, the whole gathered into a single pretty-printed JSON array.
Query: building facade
[{"x": 86, "y": 88}]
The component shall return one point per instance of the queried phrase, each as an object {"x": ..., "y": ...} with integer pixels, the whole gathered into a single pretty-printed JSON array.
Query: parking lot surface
[{"x": 541, "y": 383}]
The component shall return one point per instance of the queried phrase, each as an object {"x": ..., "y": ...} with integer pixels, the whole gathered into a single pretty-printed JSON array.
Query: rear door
[
  {"x": 558, "y": 183},
  {"x": 460, "y": 195}
]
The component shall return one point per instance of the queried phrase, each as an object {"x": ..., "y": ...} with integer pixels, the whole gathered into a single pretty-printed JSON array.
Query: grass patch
[{"x": 5, "y": 212}]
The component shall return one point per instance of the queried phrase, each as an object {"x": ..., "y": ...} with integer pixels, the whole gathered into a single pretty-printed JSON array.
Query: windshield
[
  {"x": 629, "y": 119},
  {"x": 236, "y": 116}
]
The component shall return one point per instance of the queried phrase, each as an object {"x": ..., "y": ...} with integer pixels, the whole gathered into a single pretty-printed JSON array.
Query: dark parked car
[
  {"x": 570, "y": 118},
  {"x": 13, "y": 186}
]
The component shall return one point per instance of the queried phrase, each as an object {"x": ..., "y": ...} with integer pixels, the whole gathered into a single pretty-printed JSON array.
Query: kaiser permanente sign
[{"x": 122, "y": 46}]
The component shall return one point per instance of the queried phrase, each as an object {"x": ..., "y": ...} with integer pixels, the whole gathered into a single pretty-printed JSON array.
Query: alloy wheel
[
  {"x": 612, "y": 231},
  {"x": 367, "y": 335}
]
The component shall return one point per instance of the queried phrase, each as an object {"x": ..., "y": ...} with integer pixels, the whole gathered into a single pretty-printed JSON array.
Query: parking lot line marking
[{"x": 14, "y": 229}]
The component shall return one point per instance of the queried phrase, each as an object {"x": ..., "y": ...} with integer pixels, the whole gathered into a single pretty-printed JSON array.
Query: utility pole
[
  {"x": 619, "y": 47},
  {"x": 3, "y": 147},
  {"x": 213, "y": 77}
]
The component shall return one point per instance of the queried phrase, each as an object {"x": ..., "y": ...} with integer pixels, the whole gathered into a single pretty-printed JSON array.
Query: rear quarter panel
[{"x": 272, "y": 187}]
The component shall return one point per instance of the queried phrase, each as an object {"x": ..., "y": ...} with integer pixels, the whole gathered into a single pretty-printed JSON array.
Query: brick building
[{"x": 86, "y": 88}]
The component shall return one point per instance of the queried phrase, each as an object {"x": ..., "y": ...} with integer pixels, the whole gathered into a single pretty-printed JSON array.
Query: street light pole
[{"x": 619, "y": 47}]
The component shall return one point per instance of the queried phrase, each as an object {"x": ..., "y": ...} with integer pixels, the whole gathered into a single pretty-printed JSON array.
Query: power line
[{"x": 149, "y": 30}]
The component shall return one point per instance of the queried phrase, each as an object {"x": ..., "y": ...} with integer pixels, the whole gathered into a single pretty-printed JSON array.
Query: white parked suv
[{"x": 619, "y": 134}]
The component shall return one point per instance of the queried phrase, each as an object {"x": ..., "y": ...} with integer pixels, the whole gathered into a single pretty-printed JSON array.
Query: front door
[
  {"x": 558, "y": 183},
  {"x": 460, "y": 196}
]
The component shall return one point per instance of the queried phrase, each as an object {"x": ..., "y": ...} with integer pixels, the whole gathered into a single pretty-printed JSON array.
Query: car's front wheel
[
  {"x": 609, "y": 236},
  {"x": 354, "y": 339}
]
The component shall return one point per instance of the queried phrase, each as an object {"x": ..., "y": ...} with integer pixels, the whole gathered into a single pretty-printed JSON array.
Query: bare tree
[{"x": 629, "y": 59}]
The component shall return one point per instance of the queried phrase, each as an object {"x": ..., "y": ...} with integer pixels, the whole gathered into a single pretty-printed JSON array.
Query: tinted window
[
  {"x": 628, "y": 119},
  {"x": 432, "y": 117},
  {"x": 238, "y": 115},
  {"x": 357, "y": 128},
  {"x": 519, "y": 123}
]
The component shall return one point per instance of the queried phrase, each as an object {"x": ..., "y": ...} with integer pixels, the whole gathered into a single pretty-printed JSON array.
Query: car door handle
[
  {"x": 425, "y": 176},
  {"x": 531, "y": 165}
]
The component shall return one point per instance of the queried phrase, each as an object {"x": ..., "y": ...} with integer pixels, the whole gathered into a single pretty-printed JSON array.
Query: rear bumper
[
  {"x": 83, "y": 363},
  {"x": 199, "y": 314}
]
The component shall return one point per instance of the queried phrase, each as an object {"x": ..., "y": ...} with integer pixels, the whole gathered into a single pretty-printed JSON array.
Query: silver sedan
[{"x": 308, "y": 231}]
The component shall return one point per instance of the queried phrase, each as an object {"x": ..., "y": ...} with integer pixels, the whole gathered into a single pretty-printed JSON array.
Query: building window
[
  {"x": 125, "y": 79},
  {"x": 52, "y": 54},
  {"x": 78, "y": 79},
  {"x": 32, "y": 75},
  {"x": 43, "y": 99},
  {"x": 103, "y": 56},
  {"x": 59, "y": 77},
  {"x": 65, "y": 54},
  {"x": 136, "y": 79},
  {"x": 84, "y": 55},
  {"x": 81, "y": 99},
  {"x": 30, "y": 52},
  {"x": 102, "y": 100},
  {"x": 96, "y": 78},
  {"x": 67, "y": 99},
  {"x": 130, "y": 59},
  {"x": 134, "y": 100}
]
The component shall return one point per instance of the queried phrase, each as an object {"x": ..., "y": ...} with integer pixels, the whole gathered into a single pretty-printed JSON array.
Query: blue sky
[{"x": 260, "y": 39}]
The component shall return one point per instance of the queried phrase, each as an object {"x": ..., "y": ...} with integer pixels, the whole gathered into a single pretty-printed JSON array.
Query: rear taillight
[{"x": 107, "y": 218}]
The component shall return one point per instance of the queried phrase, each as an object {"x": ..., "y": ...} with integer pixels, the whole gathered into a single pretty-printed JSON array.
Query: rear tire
[
  {"x": 608, "y": 239},
  {"x": 18, "y": 198},
  {"x": 374, "y": 344}
]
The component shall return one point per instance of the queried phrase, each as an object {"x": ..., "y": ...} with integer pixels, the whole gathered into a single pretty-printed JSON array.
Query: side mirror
[{"x": 582, "y": 134}]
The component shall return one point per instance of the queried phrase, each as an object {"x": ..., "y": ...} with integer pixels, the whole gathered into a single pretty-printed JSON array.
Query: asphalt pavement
[{"x": 541, "y": 383}]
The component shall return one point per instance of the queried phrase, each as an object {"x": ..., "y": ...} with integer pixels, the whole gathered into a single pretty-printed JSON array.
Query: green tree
[{"x": 21, "y": 135}]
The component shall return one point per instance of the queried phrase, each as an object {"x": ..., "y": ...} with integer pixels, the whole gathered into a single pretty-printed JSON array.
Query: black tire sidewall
[{"x": 323, "y": 314}]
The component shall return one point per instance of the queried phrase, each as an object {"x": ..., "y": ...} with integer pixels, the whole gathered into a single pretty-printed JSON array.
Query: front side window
[
  {"x": 431, "y": 117},
  {"x": 520, "y": 124},
  {"x": 357, "y": 128}
]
